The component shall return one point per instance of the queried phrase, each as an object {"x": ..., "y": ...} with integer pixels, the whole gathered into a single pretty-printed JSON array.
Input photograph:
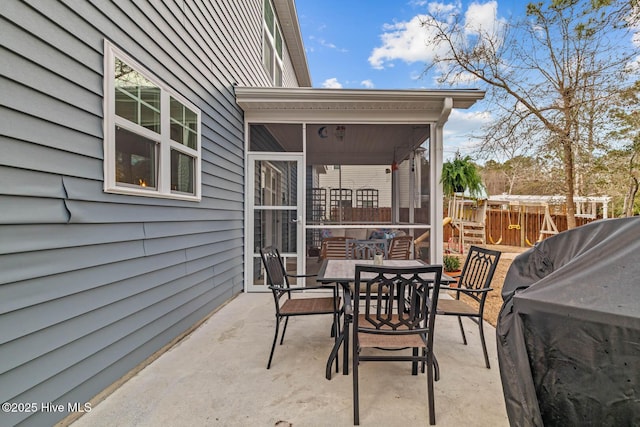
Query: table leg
[
  {"x": 345, "y": 333},
  {"x": 334, "y": 353},
  {"x": 343, "y": 338}
]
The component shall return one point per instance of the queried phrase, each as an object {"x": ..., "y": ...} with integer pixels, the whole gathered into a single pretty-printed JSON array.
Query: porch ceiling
[
  {"x": 362, "y": 144},
  {"x": 380, "y": 126}
]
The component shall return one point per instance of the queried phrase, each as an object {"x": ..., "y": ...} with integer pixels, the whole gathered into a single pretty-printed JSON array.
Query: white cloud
[
  {"x": 407, "y": 41},
  {"x": 440, "y": 8},
  {"x": 328, "y": 45},
  {"x": 325, "y": 43},
  {"x": 482, "y": 18},
  {"x": 367, "y": 83},
  {"x": 459, "y": 128},
  {"x": 402, "y": 40},
  {"x": 461, "y": 78},
  {"x": 332, "y": 83},
  {"x": 465, "y": 121}
]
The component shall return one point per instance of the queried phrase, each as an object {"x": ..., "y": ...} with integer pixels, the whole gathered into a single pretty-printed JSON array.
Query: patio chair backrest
[
  {"x": 478, "y": 270},
  {"x": 416, "y": 290},
  {"x": 333, "y": 248},
  {"x": 366, "y": 249},
  {"x": 400, "y": 247},
  {"x": 274, "y": 267}
]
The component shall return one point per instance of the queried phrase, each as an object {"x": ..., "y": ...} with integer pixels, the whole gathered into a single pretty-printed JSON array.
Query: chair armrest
[
  {"x": 301, "y": 275},
  {"x": 298, "y": 288},
  {"x": 465, "y": 290}
]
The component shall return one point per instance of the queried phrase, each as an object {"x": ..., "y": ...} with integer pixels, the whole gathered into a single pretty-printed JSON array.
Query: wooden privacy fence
[
  {"x": 361, "y": 215},
  {"x": 511, "y": 228}
]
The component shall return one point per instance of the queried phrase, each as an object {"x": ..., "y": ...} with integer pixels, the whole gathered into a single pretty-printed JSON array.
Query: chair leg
[
  {"x": 436, "y": 366},
  {"x": 337, "y": 337},
  {"x": 432, "y": 405},
  {"x": 337, "y": 318},
  {"x": 275, "y": 339},
  {"x": 333, "y": 356},
  {"x": 414, "y": 362},
  {"x": 335, "y": 328},
  {"x": 464, "y": 337},
  {"x": 356, "y": 403},
  {"x": 345, "y": 333},
  {"x": 284, "y": 330},
  {"x": 484, "y": 345}
]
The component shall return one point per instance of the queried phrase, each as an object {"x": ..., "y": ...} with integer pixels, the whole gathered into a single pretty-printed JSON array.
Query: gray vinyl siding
[
  {"x": 288, "y": 74},
  {"x": 91, "y": 283}
]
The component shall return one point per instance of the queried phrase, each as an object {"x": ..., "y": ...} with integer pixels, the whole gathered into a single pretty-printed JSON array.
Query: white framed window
[
  {"x": 272, "y": 44},
  {"x": 151, "y": 134}
]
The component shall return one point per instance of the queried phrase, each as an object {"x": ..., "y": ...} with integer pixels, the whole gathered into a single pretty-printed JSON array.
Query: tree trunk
[
  {"x": 630, "y": 197},
  {"x": 569, "y": 184}
]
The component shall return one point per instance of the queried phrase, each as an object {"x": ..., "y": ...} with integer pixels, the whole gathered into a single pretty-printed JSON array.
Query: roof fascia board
[
  {"x": 352, "y": 105},
  {"x": 447, "y": 106},
  {"x": 288, "y": 18},
  {"x": 322, "y": 94},
  {"x": 344, "y": 116}
]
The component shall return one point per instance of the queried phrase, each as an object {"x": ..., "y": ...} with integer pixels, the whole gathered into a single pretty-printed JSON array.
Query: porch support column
[
  {"x": 395, "y": 192},
  {"x": 412, "y": 187},
  {"x": 436, "y": 155}
]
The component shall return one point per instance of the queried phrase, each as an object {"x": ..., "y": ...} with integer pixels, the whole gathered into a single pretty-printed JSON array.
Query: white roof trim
[
  {"x": 288, "y": 19},
  {"x": 353, "y": 105}
]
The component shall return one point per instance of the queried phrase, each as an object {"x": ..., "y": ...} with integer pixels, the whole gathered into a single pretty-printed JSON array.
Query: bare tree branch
[{"x": 555, "y": 65}]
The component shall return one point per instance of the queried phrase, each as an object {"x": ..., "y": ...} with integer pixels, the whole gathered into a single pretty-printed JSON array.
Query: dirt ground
[{"x": 494, "y": 299}]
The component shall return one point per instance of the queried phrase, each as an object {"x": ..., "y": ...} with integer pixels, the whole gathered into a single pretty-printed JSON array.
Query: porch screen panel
[
  {"x": 275, "y": 210},
  {"x": 275, "y": 137},
  {"x": 340, "y": 204}
]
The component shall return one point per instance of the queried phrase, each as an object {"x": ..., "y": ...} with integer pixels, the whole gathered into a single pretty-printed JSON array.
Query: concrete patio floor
[{"x": 217, "y": 376}]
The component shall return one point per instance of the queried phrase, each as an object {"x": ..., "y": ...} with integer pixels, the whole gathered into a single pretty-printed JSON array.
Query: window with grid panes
[
  {"x": 152, "y": 135},
  {"x": 272, "y": 44}
]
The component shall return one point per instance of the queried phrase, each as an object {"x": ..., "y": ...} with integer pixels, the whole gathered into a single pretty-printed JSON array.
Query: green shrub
[{"x": 450, "y": 263}]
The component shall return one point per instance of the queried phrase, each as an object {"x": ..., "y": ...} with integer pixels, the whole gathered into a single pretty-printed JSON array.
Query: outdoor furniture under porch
[{"x": 217, "y": 376}]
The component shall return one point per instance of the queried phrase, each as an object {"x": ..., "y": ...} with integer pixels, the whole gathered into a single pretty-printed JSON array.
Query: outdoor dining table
[{"x": 342, "y": 272}]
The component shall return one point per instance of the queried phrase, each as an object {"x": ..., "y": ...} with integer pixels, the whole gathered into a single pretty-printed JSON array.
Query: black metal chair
[
  {"x": 474, "y": 282},
  {"x": 286, "y": 305},
  {"x": 408, "y": 323}
]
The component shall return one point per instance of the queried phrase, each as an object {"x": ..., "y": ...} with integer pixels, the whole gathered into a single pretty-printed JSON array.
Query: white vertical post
[
  {"x": 436, "y": 154},
  {"x": 395, "y": 193},
  {"x": 412, "y": 187}
]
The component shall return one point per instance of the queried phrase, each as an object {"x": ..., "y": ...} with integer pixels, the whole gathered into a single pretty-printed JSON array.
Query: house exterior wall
[
  {"x": 376, "y": 177},
  {"x": 288, "y": 76},
  {"x": 93, "y": 283}
]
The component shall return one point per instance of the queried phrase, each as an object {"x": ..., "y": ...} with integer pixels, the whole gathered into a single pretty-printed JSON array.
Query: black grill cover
[{"x": 568, "y": 332}]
